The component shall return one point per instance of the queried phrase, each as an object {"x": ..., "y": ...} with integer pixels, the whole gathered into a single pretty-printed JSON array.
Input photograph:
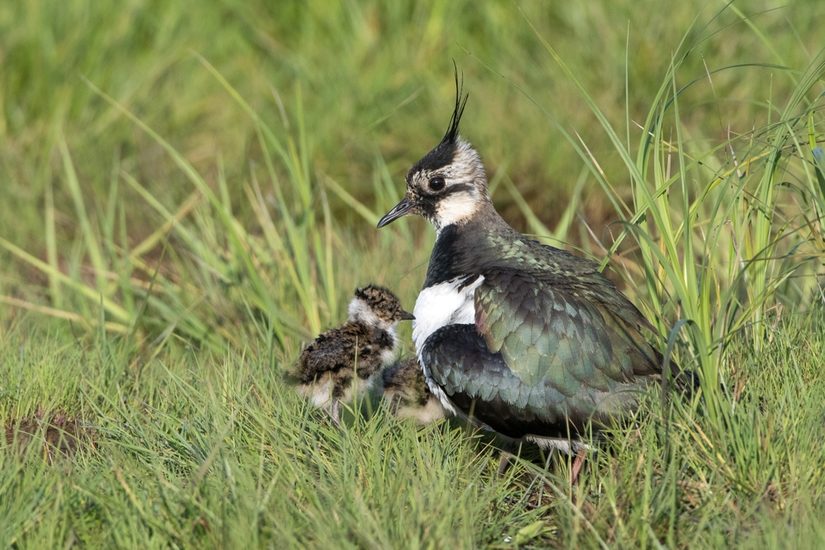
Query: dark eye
[{"x": 437, "y": 183}]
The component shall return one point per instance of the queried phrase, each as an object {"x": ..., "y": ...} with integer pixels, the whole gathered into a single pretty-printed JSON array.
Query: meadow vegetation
[{"x": 188, "y": 193}]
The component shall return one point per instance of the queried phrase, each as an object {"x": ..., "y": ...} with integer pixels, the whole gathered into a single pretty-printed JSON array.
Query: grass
[
  {"x": 203, "y": 449},
  {"x": 192, "y": 196}
]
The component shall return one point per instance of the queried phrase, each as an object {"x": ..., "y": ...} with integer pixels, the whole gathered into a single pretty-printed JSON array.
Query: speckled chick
[
  {"x": 343, "y": 362},
  {"x": 406, "y": 392}
]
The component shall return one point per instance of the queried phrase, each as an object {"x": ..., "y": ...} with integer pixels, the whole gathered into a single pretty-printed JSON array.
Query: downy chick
[
  {"x": 342, "y": 362},
  {"x": 407, "y": 394}
]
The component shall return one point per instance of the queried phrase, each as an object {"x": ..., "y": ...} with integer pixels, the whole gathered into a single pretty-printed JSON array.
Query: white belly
[{"x": 440, "y": 305}]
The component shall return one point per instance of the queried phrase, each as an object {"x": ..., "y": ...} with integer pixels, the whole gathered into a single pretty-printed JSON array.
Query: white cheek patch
[
  {"x": 359, "y": 310},
  {"x": 455, "y": 208},
  {"x": 441, "y": 305}
]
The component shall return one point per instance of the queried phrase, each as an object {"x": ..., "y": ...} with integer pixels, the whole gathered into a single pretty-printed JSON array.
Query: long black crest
[{"x": 460, "y": 102}]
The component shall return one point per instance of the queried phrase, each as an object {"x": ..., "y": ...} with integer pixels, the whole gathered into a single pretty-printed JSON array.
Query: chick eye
[{"x": 437, "y": 183}]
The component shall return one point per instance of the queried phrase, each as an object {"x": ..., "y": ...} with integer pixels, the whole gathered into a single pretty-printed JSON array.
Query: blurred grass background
[
  {"x": 188, "y": 192},
  {"x": 369, "y": 80}
]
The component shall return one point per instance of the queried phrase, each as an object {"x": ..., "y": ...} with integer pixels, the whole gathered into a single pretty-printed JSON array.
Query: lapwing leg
[
  {"x": 504, "y": 461},
  {"x": 550, "y": 453},
  {"x": 335, "y": 412},
  {"x": 576, "y": 467},
  {"x": 507, "y": 453}
]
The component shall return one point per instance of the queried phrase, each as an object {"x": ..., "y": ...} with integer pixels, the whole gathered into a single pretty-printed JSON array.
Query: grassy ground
[
  {"x": 194, "y": 449},
  {"x": 189, "y": 194}
]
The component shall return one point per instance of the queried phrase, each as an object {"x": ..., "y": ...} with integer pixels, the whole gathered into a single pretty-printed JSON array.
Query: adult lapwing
[{"x": 522, "y": 338}]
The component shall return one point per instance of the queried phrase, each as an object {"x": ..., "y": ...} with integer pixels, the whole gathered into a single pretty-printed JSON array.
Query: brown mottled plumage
[
  {"x": 342, "y": 362},
  {"x": 407, "y": 393}
]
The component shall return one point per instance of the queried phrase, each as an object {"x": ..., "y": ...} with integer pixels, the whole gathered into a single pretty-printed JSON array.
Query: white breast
[{"x": 441, "y": 305}]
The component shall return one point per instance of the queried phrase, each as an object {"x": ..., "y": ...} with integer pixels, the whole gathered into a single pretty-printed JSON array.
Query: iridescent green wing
[{"x": 553, "y": 335}]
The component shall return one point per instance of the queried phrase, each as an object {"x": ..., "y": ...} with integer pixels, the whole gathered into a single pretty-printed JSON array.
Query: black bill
[{"x": 398, "y": 210}]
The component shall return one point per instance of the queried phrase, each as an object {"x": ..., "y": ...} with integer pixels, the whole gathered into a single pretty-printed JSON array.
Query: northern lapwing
[
  {"x": 406, "y": 392},
  {"x": 522, "y": 338},
  {"x": 344, "y": 362}
]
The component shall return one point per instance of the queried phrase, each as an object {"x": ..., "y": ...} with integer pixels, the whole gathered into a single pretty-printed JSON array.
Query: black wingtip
[{"x": 458, "y": 109}]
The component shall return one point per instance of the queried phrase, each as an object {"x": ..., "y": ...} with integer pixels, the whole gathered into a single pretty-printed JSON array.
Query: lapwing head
[
  {"x": 377, "y": 306},
  {"x": 448, "y": 185}
]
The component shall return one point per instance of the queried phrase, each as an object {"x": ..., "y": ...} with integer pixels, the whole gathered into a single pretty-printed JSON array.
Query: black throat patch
[{"x": 445, "y": 258}]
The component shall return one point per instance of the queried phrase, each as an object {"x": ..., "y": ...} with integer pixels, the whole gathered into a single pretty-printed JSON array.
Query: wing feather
[{"x": 553, "y": 335}]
